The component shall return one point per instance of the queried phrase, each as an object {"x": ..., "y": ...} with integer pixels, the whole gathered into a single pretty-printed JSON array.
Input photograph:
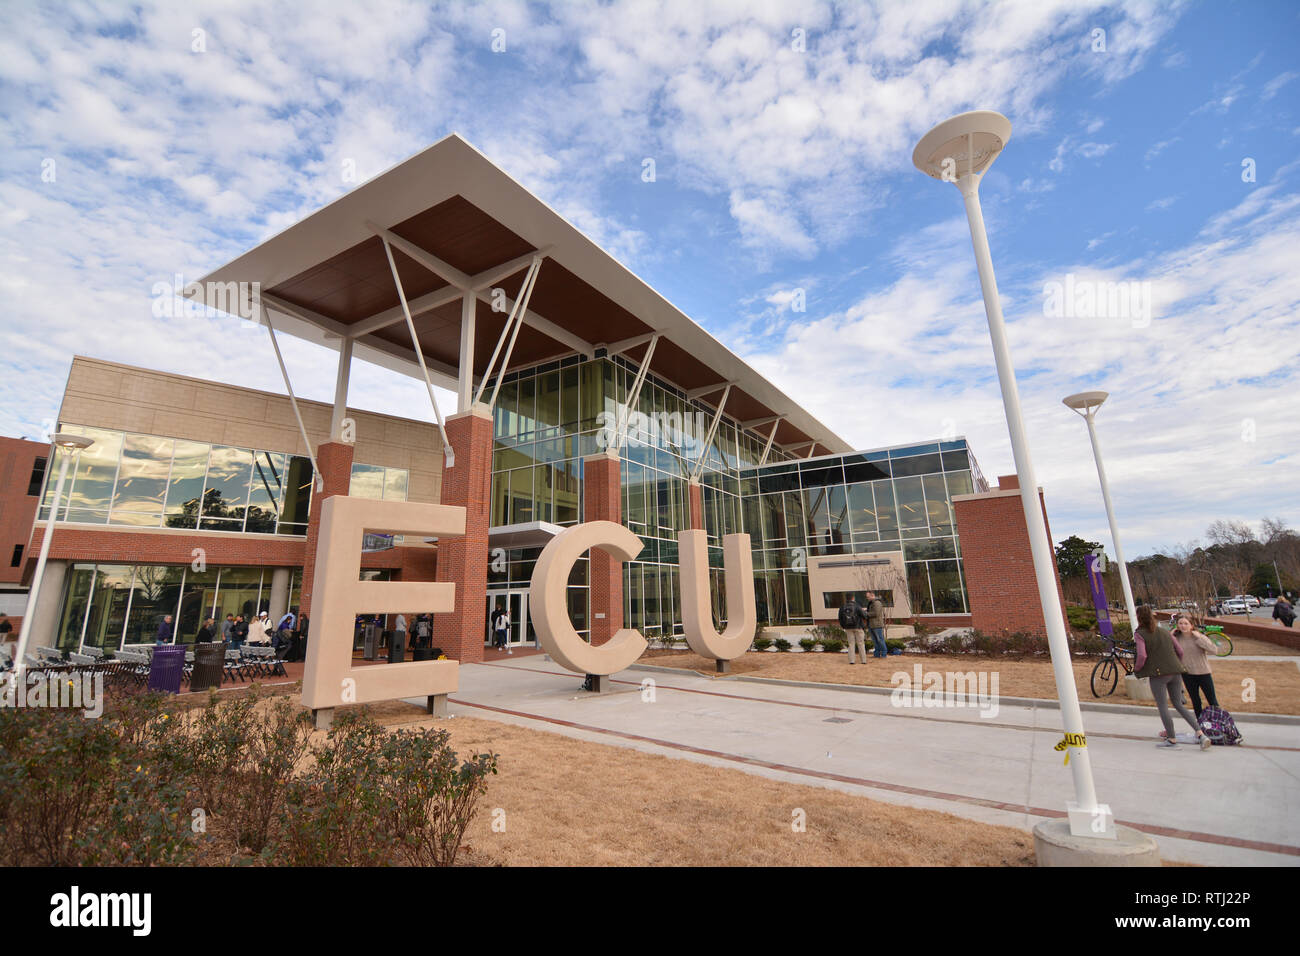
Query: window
[
  {"x": 18, "y": 556},
  {"x": 37, "y": 479}
]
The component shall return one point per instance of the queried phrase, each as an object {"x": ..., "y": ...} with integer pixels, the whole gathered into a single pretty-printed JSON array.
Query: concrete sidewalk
[{"x": 1228, "y": 805}]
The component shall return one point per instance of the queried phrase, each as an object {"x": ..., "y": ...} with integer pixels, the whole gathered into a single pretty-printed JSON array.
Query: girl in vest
[{"x": 1159, "y": 657}]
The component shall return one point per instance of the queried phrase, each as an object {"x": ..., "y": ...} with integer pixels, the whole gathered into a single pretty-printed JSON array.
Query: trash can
[
  {"x": 209, "y": 665},
  {"x": 166, "y": 669},
  {"x": 396, "y": 646},
  {"x": 372, "y": 639}
]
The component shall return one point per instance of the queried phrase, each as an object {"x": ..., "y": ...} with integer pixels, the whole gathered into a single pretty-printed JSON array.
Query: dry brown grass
[
  {"x": 568, "y": 802},
  {"x": 1277, "y": 686}
]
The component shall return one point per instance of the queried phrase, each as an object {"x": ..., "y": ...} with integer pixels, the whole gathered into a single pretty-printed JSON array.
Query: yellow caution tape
[{"x": 1071, "y": 740}]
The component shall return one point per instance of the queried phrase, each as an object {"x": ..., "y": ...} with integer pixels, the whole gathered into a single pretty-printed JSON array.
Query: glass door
[{"x": 515, "y": 604}]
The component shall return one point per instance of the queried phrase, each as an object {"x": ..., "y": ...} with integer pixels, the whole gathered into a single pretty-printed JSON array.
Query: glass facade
[
  {"x": 111, "y": 605},
  {"x": 548, "y": 418},
  {"x": 147, "y": 481}
]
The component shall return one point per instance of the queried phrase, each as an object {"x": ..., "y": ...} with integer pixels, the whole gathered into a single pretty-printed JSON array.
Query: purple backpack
[{"x": 1218, "y": 725}]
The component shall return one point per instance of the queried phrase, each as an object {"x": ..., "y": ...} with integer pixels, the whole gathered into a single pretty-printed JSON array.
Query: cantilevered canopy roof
[{"x": 457, "y": 223}]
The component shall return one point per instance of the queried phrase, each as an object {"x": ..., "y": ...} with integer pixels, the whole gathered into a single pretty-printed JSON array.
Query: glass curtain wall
[
  {"x": 148, "y": 481},
  {"x": 896, "y": 499}
]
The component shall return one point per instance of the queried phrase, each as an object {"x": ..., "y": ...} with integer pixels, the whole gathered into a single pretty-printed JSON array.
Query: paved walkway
[{"x": 1238, "y": 805}]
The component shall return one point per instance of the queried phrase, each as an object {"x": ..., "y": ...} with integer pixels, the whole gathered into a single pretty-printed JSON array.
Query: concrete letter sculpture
[
  {"x": 548, "y": 604},
  {"x": 697, "y": 616},
  {"x": 329, "y": 678}
]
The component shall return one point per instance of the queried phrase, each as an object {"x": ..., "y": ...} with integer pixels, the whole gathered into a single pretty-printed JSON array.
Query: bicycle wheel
[
  {"x": 1222, "y": 645},
  {"x": 1105, "y": 676}
]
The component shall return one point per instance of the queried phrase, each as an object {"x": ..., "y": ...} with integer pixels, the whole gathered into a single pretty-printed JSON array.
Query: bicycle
[
  {"x": 1222, "y": 642},
  {"x": 1105, "y": 673}
]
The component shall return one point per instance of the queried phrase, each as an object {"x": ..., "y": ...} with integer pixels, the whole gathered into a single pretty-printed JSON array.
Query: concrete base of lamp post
[{"x": 1055, "y": 846}]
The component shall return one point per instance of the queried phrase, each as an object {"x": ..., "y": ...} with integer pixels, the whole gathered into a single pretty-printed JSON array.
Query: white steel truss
[
  {"x": 713, "y": 430},
  {"x": 634, "y": 394},
  {"x": 293, "y": 400}
]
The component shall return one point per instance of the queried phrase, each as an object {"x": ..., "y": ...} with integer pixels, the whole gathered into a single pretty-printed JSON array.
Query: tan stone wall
[
  {"x": 108, "y": 395},
  {"x": 841, "y": 572}
]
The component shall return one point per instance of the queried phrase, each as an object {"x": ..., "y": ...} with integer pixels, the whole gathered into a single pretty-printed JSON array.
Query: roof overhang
[{"x": 456, "y": 222}]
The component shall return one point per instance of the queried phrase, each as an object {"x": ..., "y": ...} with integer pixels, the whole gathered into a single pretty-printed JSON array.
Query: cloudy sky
[{"x": 1155, "y": 145}]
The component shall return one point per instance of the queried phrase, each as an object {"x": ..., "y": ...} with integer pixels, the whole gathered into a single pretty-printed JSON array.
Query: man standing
[
  {"x": 851, "y": 621},
  {"x": 227, "y": 626},
  {"x": 875, "y": 618},
  {"x": 164, "y": 635},
  {"x": 239, "y": 632},
  {"x": 500, "y": 627}
]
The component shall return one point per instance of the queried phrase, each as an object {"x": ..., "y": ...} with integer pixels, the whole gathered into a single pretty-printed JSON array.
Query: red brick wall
[
  {"x": 696, "y": 495},
  {"x": 17, "y": 508},
  {"x": 464, "y": 561},
  {"x": 1282, "y": 636},
  {"x": 945, "y": 620},
  {"x": 335, "y": 462},
  {"x": 602, "y": 500},
  {"x": 996, "y": 559}
]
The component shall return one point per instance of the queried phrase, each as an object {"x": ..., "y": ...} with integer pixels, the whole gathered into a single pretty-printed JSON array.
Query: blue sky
[{"x": 779, "y": 166}]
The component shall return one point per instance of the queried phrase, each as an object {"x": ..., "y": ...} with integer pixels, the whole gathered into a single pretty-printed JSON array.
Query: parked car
[{"x": 1234, "y": 606}]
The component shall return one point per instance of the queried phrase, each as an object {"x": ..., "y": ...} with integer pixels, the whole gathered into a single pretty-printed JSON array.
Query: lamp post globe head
[
  {"x": 71, "y": 442},
  {"x": 1085, "y": 403},
  {"x": 964, "y": 145}
]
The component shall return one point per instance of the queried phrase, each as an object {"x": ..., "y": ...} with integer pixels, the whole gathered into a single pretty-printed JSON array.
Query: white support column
[
  {"x": 465, "y": 372},
  {"x": 448, "y": 454},
  {"x": 767, "y": 449},
  {"x": 340, "y": 410},
  {"x": 517, "y": 309},
  {"x": 713, "y": 430},
  {"x": 524, "y": 296},
  {"x": 634, "y": 394},
  {"x": 293, "y": 401}
]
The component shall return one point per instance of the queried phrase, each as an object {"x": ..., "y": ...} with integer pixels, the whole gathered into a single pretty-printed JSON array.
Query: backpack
[
  {"x": 850, "y": 616},
  {"x": 1218, "y": 725}
]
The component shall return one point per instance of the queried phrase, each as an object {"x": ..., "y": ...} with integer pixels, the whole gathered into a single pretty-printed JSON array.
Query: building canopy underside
[{"x": 458, "y": 225}]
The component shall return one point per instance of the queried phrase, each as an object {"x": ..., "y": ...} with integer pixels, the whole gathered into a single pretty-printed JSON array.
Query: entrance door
[{"x": 515, "y": 603}]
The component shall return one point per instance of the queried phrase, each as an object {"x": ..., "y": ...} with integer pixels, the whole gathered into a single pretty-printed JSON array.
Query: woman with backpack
[{"x": 1159, "y": 657}]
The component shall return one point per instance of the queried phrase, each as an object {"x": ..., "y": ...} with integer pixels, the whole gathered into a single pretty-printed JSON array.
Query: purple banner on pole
[{"x": 1099, "y": 596}]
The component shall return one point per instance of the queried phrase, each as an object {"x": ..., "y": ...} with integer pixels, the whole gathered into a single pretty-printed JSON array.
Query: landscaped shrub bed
[
  {"x": 1015, "y": 646},
  {"x": 235, "y": 782}
]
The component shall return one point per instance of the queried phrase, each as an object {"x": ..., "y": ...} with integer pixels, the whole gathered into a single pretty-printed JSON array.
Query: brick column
[
  {"x": 695, "y": 496},
  {"x": 602, "y": 500},
  {"x": 464, "y": 561},
  {"x": 335, "y": 461},
  {"x": 996, "y": 560}
]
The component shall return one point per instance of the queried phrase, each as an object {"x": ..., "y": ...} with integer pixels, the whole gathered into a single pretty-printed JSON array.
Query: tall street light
[
  {"x": 66, "y": 446},
  {"x": 959, "y": 151},
  {"x": 1086, "y": 404}
]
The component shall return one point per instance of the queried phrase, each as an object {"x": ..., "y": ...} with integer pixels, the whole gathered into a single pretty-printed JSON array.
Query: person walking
[
  {"x": 1159, "y": 657},
  {"x": 500, "y": 627},
  {"x": 164, "y": 635},
  {"x": 1198, "y": 678},
  {"x": 876, "y": 624},
  {"x": 851, "y": 619},
  {"x": 1284, "y": 611}
]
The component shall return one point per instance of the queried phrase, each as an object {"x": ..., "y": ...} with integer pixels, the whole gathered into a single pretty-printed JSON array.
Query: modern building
[
  {"x": 197, "y": 498},
  {"x": 22, "y": 474}
]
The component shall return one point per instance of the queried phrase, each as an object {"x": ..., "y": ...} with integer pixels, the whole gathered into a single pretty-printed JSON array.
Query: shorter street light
[
  {"x": 68, "y": 445},
  {"x": 1086, "y": 405}
]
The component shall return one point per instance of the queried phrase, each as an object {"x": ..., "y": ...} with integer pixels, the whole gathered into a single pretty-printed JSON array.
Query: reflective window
[
  {"x": 155, "y": 593},
  {"x": 185, "y": 486},
  {"x": 142, "y": 480},
  {"x": 225, "y": 494},
  {"x": 92, "y": 483}
]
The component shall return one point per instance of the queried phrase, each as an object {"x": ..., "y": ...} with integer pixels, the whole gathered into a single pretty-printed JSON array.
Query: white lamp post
[
  {"x": 67, "y": 445},
  {"x": 959, "y": 151},
  {"x": 1086, "y": 404}
]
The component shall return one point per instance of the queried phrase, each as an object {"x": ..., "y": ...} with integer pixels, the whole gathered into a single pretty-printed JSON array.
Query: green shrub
[
  {"x": 831, "y": 646},
  {"x": 762, "y": 643},
  {"x": 782, "y": 644},
  {"x": 894, "y": 644},
  {"x": 277, "y": 743},
  {"x": 434, "y": 796},
  {"x": 1081, "y": 618},
  {"x": 373, "y": 797},
  {"x": 827, "y": 632},
  {"x": 807, "y": 643}
]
